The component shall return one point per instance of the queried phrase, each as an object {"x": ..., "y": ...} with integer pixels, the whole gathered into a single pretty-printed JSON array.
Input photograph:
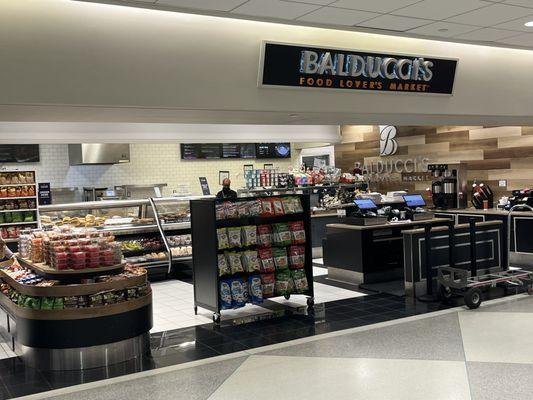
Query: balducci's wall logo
[
  {"x": 312, "y": 67},
  {"x": 387, "y": 144}
]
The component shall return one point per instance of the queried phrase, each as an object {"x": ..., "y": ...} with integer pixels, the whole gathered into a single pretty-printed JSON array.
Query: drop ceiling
[{"x": 489, "y": 22}]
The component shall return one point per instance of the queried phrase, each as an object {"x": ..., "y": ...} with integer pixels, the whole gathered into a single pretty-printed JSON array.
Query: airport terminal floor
[{"x": 454, "y": 354}]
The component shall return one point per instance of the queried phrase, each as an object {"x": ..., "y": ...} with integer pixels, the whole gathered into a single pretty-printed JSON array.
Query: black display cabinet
[{"x": 205, "y": 250}]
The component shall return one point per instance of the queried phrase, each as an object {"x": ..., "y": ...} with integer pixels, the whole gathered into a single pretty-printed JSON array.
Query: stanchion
[
  {"x": 429, "y": 296},
  {"x": 473, "y": 250}
]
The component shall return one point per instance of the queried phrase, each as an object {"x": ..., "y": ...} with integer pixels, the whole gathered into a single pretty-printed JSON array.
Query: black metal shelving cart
[{"x": 204, "y": 225}]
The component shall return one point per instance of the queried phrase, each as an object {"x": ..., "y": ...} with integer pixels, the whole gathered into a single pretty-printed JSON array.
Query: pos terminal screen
[
  {"x": 414, "y": 200},
  {"x": 366, "y": 204}
]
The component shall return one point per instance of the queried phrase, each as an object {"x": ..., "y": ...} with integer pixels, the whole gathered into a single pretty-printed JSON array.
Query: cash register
[
  {"x": 414, "y": 207},
  {"x": 366, "y": 213}
]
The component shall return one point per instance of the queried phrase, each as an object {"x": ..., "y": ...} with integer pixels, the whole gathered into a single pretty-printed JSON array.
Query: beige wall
[
  {"x": 104, "y": 59},
  {"x": 150, "y": 164}
]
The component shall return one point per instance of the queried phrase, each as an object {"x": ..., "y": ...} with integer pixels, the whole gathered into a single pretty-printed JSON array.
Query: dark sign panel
[
  {"x": 19, "y": 153},
  {"x": 44, "y": 193},
  {"x": 273, "y": 150},
  {"x": 204, "y": 185},
  {"x": 197, "y": 151},
  {"x": 315, "y": 67},
  {"x": 194, "y": 151}
]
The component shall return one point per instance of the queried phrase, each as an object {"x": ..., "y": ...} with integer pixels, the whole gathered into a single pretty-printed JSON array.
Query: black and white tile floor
[{"x": 452, "y": 354}]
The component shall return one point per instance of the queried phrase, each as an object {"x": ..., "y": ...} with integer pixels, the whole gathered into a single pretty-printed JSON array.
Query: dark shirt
[{"x": 227, "y": 194}]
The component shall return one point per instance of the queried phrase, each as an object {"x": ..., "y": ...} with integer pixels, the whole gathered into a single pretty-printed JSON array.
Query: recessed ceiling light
[
  {"x": 529, "y": 24},
  {"x": 443, "y": 30},
  {"x": 293, "y": 115}
]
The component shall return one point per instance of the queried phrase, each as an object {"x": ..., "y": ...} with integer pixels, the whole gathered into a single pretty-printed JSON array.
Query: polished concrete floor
[{"x": 450, "y": 354}]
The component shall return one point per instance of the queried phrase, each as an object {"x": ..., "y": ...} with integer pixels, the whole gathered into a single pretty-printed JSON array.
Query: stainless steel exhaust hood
[{"x": 98, "y": 153}]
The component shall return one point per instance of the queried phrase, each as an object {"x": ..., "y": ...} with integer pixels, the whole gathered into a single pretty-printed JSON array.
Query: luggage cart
[{"x": 455, "y": 281}]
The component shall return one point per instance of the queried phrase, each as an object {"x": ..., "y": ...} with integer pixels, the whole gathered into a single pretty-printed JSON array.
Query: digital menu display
[
  {"x": 19, "y": 153},
  {"x": 198, "y": 151}
]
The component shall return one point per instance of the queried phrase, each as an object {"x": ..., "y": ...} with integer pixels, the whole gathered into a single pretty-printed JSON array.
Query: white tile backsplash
[{"x": 150, "y": 164}]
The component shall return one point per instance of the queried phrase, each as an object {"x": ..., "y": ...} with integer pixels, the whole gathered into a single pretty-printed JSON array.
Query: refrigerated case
[{"x": 154, "y": 233}]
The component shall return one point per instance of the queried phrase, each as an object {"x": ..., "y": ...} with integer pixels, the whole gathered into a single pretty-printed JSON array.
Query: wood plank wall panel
[{"x": 490, "y": 154}]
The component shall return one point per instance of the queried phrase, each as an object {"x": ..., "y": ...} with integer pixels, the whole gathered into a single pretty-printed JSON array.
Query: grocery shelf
[
  {"x": 19, "y": 223},
  {"x": 18, "y": 210},
  {"x": 18, "y": 198}
]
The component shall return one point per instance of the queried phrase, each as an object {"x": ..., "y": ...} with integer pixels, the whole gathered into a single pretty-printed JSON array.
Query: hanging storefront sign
[{"x": 316, "y": 67}]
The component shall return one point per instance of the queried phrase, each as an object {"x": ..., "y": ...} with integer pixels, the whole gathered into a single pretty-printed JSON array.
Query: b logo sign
[{"x": 387, "y": 144}]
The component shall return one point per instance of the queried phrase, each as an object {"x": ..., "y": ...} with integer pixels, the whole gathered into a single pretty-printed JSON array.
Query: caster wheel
[
  {"x": 195, "y": 310},
  {"x": 445, "y": 293},
  {"x": 310, "y": 302},
  {"x": 473, "y": 298},
  {"x": 216, "y": 318},
  {"x": 287, "y": 296}
]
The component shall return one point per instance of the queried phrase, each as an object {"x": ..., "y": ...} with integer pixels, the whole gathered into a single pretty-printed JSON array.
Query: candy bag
[
  {"x": 280, "y": 258},
  {"x": 297, "y": 230},
  {"x": 223, "y": 267},
  {"x": 225, "y": 294},
  {"x": 267, "y": 260},
  {"x": 297, "y": 257},
  {"x": 256, "y": 291},
  {"x": 223, "y": 240},
  {"x": 267, "y": 285}
]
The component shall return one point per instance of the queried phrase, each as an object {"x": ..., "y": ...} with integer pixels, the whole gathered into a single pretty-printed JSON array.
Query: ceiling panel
[
  {"x": 438, "y": 9},
  {"x": 443, "y": 29},
  {"x": 487, "y": 35},
  {"x": 218, "y": 5},
  {"x": 394, "y": 23},
  {"x": 338, "y": 16},
  {"x": 457, "y": 20},
  {"x": 275, "y": 9},
  {"x": 491, "y": 15},
  {"x": 381, "y": 6}
]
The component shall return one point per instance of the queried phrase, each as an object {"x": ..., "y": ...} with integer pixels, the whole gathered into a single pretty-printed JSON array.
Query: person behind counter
[{"x": 226, "y": 193}]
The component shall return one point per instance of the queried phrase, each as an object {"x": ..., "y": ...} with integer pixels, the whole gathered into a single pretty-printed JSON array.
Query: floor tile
[
  {"x": 369, "y": 379},
  {"x": 497, "y": 381},
  {"x": 521, "y": 305},
  {"x": 497, "y": 336},
  {"x": 436, "y": 338},
  {"x": 193, "y": 383}
]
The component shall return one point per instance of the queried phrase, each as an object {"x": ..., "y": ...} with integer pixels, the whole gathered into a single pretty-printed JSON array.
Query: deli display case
[{"x": 153, "y": 233}]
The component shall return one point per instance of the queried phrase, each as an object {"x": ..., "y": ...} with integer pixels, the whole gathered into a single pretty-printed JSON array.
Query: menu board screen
[
  {"x": 199, "y": 151},
  {"x": 19, "y": 153},
  {"x": 195, "y": 151}
]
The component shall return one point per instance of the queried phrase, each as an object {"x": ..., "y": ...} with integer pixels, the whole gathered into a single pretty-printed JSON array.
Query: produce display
[
  {"x": 78, "y": 248},
  {"x": 258, "y": 262}
]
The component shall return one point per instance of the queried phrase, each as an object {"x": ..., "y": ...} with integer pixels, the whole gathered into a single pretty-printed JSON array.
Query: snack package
[
  {"x": 255, "y": 289},
  {"x": 223, "y": 240},
  {"x": 231, "y": 209},
  {"x": 237, "y": 293},
  {"x": 297, "y": 257},
  {"x": 249, "y": 235},
  {"x": 245, "y": 291},
  {"x": 267, "y": 207},
  {"x": 300, "y": 281},
  {"x": 220, "y": 211},
  {"x": 225, "y": 294},
  {"x": 267, "y": 285},
  {"x": 223, "y": 267},
  {"x": 282, "y": 286},
  {"x": 297, "y": 229},
  {"x": 234, "y": 236},
  {"x": 255, "y": 208},
  {"x": 267, "y": 260},
  {"x": 282, "y": 234},
  {"x": 250, "y": 261},
  {"x": 281, "y": 260},
  {"x": 277, "y": 204},
  {"x": 243, "y": 209},
  {"x": 234, "y": 261},
  {"x": 264, "y": 235}
]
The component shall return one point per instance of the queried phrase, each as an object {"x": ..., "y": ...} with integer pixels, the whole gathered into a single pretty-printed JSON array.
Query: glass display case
[{"x": 153, "y": 233}]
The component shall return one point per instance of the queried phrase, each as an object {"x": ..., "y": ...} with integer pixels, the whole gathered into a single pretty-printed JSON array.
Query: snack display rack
[
  {"x": 76, "y": 321},
  {"x": 155, "y": 233},
  {"x": 206, "y": 248},
  {"x": 18, "y": 203}
]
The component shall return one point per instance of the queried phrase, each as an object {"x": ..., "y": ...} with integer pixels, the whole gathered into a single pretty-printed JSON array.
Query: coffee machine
[
  {"x": 520, "y": 197},
  {"x": 444, "y": 188}
]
